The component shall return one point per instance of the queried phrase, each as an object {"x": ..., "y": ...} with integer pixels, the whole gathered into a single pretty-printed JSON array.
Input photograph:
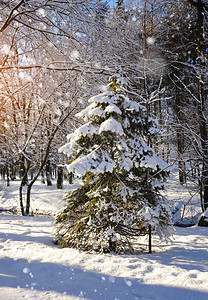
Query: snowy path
[{"x": 31, "y": 266}]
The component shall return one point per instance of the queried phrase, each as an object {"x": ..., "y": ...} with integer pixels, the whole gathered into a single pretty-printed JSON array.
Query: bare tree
[{"x": 43, "y": 75}]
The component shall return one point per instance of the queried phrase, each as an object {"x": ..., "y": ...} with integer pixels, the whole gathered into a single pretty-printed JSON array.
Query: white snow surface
[
  {"x": 111, "y": 125},
  {"x": 106, "y": 97},
  {"x": 153, "y": 162},
  {"x": 113, "y": 108},
  {"x": 89, "y": 111},
  {"x": 32, "y": 267},
  {"x": 90, "y": 162}
]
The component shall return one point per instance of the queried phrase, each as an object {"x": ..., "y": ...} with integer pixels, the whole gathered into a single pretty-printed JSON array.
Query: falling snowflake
[
  {"x": 74, "y": 54},
  {"x": 26, "y": 270},
  {"x": 150, "y": 40}
]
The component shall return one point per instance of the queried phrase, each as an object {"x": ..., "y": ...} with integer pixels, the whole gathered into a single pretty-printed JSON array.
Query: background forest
[{"x": 56, "y": 54}]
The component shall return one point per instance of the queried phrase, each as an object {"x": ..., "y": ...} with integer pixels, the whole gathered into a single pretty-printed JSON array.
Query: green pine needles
[{"x": 122, "y": 178}]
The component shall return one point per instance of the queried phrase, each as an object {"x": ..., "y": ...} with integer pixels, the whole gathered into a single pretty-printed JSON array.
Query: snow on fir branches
[{"x": 122, "y": 176}]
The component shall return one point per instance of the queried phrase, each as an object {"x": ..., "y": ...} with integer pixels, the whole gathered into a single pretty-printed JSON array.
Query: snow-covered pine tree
[{"x": 122, "y": 177}]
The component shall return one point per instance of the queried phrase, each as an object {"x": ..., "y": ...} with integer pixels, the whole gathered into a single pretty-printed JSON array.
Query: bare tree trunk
[
  {"x": 180, "y": 139},
  {"x": 21, "y": 199},
  {"x": 60, "y": 175},
  {"x": 29, "y": 187},
  {"x": 7, "y": 173},
  {"x": 202, "y": 109},
  {"x": 23, "y": 183},
  {"x": 22, "y": 169},
  {"x": 48, "y": 173},
  {"x": 181, "y": 163},
  {"x": 70, "y": 177}
]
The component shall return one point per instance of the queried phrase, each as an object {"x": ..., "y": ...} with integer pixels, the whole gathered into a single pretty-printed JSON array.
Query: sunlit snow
[
  {"x": 113, "y": 108},
  {"x": 111, "y": 125},
  {"x": 32, "y": 267}
]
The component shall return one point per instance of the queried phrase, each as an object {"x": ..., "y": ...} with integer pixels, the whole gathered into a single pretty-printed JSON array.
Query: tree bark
[
  {"x": 201, "y": 50},
  {"x": 59, "y": 177},
  {"x": 48, "y": 173},
  {"x": 70, "y": 177},
  {"x": 181, "y": 163}
]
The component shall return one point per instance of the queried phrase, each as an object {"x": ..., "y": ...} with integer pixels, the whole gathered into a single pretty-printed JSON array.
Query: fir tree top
[{"x": 113, "y": 135}]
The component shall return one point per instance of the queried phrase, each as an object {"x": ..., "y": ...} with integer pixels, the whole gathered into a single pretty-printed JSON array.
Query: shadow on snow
[{"x": 89, "y": 285}]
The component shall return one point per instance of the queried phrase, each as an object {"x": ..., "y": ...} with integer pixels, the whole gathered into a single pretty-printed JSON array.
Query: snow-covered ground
[
  {"x": 31, "y": 266},
  {"x": 44, "y": 199},
  {"x": 184, "y": 200}
]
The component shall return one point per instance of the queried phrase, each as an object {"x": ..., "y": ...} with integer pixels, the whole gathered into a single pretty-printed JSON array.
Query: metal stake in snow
[{"x": 150, "y": 239}]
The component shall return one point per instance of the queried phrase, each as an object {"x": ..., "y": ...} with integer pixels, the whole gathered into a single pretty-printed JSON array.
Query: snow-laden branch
[
  {"x": 187, "y": 89},
  {"x": 36, "y": 66},
  {"x": 3, "y": 102},
  {"x": 10, "y": 17},
  {"x": 51, "y": 67}
]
